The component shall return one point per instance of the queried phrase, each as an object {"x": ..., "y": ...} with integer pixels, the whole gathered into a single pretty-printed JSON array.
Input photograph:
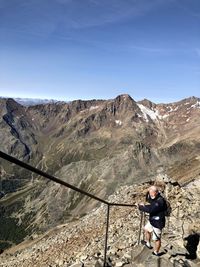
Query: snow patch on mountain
[
  {"x": 196, "y": 105},
  {"x": 94, "y": 107},
  {"x": 118, "y": 122},
  {"x": 164, "y": 116},
  {"x": 148, "y": 113},
  {"x": 34, "y": 101}
]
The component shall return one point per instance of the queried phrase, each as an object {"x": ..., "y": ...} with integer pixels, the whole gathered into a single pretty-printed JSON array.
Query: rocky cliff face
[{"x": 97, "y": 145}]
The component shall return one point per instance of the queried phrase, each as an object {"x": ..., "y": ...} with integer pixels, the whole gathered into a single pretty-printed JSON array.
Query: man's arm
[{"x": 154, "y": 207}]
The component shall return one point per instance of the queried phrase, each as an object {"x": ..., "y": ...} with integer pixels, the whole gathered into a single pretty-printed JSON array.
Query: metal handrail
[{"x": 61, "y": 182}]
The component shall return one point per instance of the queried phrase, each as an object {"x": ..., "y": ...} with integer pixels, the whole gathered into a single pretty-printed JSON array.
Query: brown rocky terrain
[
  {"x": 100, "y": 146},
  {"x": 82, "y": 241}
]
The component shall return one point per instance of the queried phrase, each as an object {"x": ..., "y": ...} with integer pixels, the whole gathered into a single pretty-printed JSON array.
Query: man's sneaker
[
  {"x": 155, "y": 253},
  {"x": 143, "y": 242}
]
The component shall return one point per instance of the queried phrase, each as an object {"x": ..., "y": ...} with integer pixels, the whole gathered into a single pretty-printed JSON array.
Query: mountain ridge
[{"x": 96, "y": 145}]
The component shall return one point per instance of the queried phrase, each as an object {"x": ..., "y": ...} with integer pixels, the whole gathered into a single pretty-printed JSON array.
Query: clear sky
[{"x": 85, "y": 49}]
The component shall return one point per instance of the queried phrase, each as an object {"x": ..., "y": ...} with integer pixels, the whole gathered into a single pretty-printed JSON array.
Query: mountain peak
[
  {"x": 147, "y": 103},
  {"x": 13, "y": 106},
  {"x": 124, "y": 97}
]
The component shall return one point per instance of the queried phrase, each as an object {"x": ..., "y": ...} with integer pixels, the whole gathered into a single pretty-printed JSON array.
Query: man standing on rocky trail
[{"x": 156, "y": 209}]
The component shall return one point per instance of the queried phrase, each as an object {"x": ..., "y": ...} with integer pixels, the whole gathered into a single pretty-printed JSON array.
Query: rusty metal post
[{"x": 106, "y": 237}]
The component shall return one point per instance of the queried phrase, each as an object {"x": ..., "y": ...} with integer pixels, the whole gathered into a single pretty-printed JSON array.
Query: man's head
[{"x": 153, "y": 191}]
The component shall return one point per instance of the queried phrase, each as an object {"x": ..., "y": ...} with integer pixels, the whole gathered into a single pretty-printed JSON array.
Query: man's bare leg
[
  {"x": 148, "y": 237},
  {"x": 157, "y": 246}
]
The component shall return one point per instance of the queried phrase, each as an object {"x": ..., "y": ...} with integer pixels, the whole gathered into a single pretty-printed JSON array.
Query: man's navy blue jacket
[{"x": 156, "y": 210}]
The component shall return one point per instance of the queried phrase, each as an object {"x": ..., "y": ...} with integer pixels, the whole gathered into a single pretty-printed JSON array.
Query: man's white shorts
[{"x": 156, "y": 233}]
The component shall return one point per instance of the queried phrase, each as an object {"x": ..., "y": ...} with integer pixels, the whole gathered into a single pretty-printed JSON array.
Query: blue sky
[{"x": 85, "y": 49}]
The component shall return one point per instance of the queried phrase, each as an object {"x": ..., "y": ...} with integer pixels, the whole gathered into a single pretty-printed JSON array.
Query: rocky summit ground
[{"x": 81, "y": 242}]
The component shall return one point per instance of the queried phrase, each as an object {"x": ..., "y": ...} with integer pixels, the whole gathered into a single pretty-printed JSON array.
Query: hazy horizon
[{"x": 87, "y": 99}]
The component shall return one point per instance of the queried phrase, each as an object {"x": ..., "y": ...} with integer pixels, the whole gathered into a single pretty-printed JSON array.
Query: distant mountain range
[
  {"x": 97, "y": 145},
  {"x": 33, "y": 101}
]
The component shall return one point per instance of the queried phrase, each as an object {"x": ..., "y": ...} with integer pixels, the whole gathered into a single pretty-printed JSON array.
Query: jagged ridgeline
[{"x": 96, "y": 145}]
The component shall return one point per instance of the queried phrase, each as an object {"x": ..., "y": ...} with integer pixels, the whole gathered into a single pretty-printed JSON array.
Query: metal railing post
[
  {"x": 159, "y": 262},
  {"x": 144, "y": 223},
  {"x": 106, "y": 236},
  {"x": 141, "y": 220}
]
